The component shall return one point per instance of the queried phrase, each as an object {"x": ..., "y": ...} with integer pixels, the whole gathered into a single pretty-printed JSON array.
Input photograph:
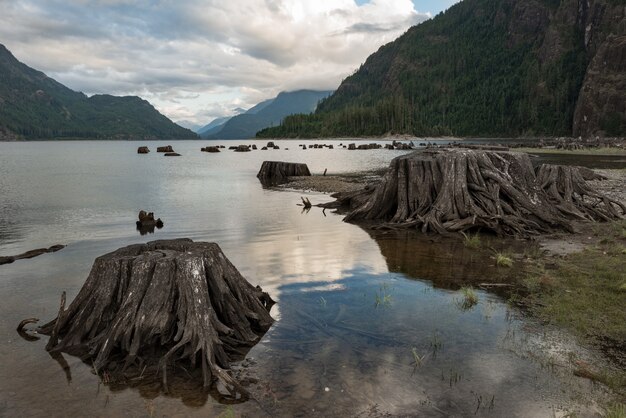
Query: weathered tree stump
[
  {"x": 279, "y": 170},
  {"x": 146, "y": 219},
  {"x": 143, "y": 150},
  {"x": 167, "y": 148},
  {"x": 454, "y": 190},
  {"x": 210, "y": 149},
  {"x": 162, "y": 304},
  {"x": 567, "y": 188}
]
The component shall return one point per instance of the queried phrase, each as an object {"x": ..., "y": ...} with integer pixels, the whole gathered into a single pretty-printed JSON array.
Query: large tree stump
[
  {"x": 279, "y": 170},
  {"x": 454, "y": 190},
  {"x": 160, "y": 304}
]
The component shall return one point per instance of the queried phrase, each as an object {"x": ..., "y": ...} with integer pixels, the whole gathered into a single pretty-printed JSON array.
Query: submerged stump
[
  {"x": 454, "y": 190},
  {"x": 279, "y": 170},
  {"x": 164, "y": 303}
]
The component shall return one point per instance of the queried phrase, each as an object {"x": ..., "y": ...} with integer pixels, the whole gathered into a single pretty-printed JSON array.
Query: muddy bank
[{"x": 335, "y": 183}]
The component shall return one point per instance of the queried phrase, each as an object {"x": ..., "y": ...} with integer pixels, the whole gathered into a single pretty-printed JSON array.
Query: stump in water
[
  {"x": 453, "y": 190},
  {"x": 276, "y": 171},
  {"x": 160, "y": 304}
]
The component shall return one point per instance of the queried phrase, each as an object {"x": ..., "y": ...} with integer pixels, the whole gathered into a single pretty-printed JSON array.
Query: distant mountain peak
[{"x": 267, "y": 113}]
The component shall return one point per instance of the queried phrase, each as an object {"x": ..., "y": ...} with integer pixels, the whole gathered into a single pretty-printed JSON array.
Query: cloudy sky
[{"x": 196, "y": 60}]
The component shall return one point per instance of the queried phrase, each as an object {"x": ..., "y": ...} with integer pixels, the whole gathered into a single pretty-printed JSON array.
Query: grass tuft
[
  {"x": 503, "y": 260},
  {"x": 471, "y": 240},
  {"x": 470, "y": 298}
]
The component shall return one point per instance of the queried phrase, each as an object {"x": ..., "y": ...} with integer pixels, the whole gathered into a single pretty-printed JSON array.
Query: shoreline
[
  {"x": 385, "y": 138},
  {"x": 573, "y": 281}
]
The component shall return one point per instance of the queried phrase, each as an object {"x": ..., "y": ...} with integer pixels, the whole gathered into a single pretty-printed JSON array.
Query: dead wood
[
  {"x": 282, "y": 170},
  {"x": 162, "y": 304},
  {"x": 567, "y": 188},
  {"x": 23, "y": 323},
  {"x": 454, "y": 190},
  {"x": 30, "y": 254}
]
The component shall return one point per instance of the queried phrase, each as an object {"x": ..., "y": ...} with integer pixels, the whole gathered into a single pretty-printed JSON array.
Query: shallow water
[{"x": 366, "y": 324}]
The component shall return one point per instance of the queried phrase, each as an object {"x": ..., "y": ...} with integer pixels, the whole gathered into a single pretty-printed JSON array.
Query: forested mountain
[
  {"x": 33, "y": 106},
  {"x": 269, "y": 113},
  {"x": 488, "y": 68}
]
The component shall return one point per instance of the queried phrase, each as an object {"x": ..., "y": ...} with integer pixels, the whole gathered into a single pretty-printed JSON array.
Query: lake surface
[{"x": 367, "y": 324}]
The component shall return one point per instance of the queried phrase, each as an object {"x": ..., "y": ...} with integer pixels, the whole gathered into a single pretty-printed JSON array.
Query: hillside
[
  {"x": 34, "y": 106},
  {"x": 488, "y": 68},
  {"x": 269, "y": 113}
]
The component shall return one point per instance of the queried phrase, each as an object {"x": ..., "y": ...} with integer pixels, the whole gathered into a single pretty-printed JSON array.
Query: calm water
[{"x": 354, "y": 310}]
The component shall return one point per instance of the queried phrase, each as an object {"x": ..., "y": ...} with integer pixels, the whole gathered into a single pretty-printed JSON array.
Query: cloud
[{"x": 199, "y": 59}]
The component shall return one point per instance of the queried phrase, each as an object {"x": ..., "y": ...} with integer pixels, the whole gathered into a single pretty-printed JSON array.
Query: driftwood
[
  {"x": 279, "y": 170},
  {"x": 162, "y": 304},
  {"x": 30, "y": 254},
  {"x": 171, "y": 154},
  {"x": 454, "y": 190}
]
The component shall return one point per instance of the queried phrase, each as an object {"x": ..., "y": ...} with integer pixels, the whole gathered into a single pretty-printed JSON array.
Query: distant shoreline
[{"x": 359, "y": 139}]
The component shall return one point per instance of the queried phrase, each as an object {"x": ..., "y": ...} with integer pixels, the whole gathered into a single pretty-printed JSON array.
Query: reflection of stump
[
  {"x": 163, "y": 303},
  {"x": 451, "y": 190},
  {"x": 278, "y": 170}
]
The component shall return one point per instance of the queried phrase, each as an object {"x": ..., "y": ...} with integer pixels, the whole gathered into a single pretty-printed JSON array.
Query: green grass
[
  {"x": 616, "y": 411},
  {"x": 471, "y": 240},
  {"x": 585, "y": 294},
  {"x": 383, "y": 296},
  {"x": 469, "y": 300},
  {"x": 503, "y": 260}
]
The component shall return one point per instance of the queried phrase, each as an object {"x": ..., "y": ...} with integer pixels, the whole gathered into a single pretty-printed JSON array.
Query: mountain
[
  {"x": 192, "y": 126},
  {"x": 268, "y": 113},
  {"x": 33, "y": 106},
  {"x": 214, "y": 125},
  {"x": 488, "y": 68},
  {"x": 217, "y": 124}
]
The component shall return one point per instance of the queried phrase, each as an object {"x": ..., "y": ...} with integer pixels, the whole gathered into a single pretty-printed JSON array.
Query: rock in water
[
  {"x": 160, "y": 304},
  {"x": 454, "y": 190}
]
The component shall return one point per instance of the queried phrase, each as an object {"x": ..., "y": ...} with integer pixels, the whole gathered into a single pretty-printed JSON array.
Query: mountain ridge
[
  {"x": 487, "y": 68},
  {"x": 269, "y": 112},
  {"x": 35, "y": 106}
]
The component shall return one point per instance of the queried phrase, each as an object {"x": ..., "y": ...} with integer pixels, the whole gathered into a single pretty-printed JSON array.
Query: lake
[{"x": 368, "y": 324}]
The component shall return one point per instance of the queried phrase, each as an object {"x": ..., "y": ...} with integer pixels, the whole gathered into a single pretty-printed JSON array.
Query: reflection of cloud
[
  {"x": 363, "y": 355},
  {"x": 168, "y": 51}
]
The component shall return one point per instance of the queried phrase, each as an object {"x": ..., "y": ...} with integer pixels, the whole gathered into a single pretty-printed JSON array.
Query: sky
[{"x": 196, "y": 60}]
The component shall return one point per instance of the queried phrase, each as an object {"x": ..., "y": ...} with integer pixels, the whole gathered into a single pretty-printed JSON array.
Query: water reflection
[
  {"x": 444, "y": 261},
  {"x": 353, "y": 306}
]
